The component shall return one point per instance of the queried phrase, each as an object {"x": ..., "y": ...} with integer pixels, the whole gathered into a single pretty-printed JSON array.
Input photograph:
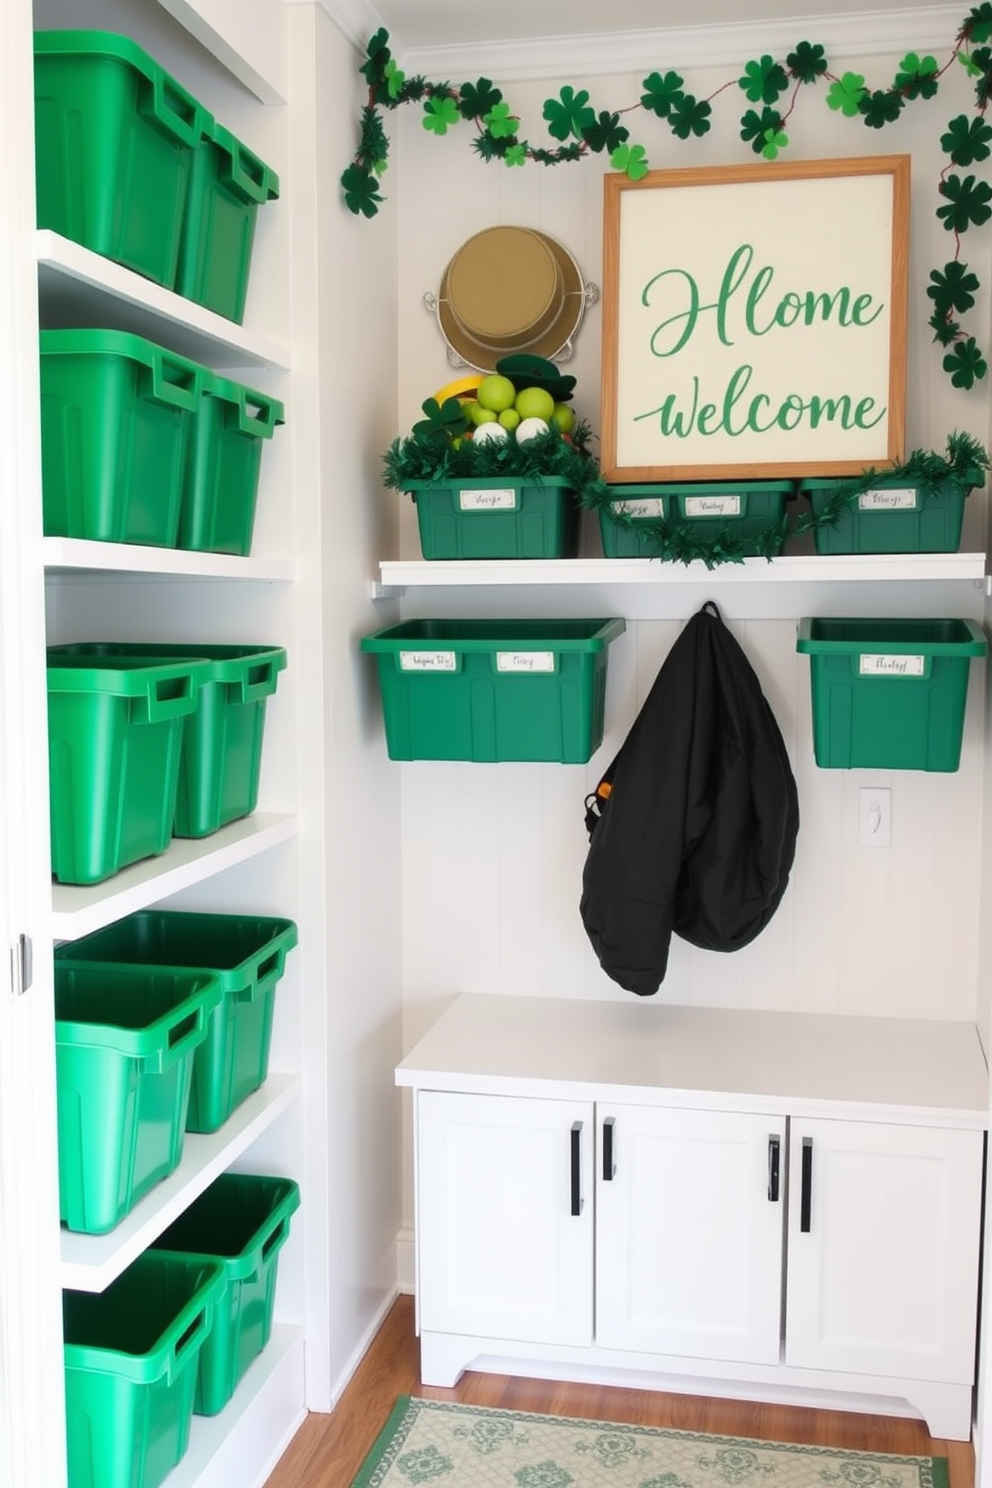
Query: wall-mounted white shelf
[
  {"x": 79, "y": 909},
  {"x": 90, "y": 1262},
  {"x": 73, "y": 555},
  {"x": 79, "y": 288},
  {"x": 858, "y": 568}
]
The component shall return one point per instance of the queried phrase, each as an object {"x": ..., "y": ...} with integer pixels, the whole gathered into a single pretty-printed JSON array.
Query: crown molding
[{"x": 862, "y": 34}]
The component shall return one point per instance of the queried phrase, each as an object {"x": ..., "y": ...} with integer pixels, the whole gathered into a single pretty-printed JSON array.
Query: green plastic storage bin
[
  {"x": 490, "y": 690},
  {"x": 225, "y": 455},
  {"x": 131, "y": 1356},
  {"x": 247, "y": 956},
  {"x": 221, "y": 746},
  {"x": 889, "y": 694},
  {"x": 125, "y": 1037},
  {"x": 228, "y": 184},
  {"x": 893, "y": 516},
  {"x": 742, "y": 511},
  {"x": 115, "y": 139},
  {"x": 240, "y": 1223},
  {"x": 497, "y": 517},
  {"x": 115, "y": 740},
  {"x": 117, "y": 417}
]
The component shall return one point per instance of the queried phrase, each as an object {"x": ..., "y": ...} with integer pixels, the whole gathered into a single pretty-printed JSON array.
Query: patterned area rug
[{"x": 463, "y": 1446}]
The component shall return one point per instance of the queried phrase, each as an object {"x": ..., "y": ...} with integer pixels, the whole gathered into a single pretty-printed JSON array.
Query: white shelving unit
[{"x": 262, "y": 864}]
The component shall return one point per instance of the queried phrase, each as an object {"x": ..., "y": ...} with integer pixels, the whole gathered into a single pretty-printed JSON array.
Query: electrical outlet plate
[{"x": 875, "y": 816}]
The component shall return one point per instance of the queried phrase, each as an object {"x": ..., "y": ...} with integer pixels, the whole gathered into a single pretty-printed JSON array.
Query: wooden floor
[{"x": 328, "y": 1450}]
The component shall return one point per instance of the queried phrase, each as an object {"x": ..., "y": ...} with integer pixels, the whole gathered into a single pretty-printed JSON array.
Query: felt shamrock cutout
[
  {"x": 361, "y": 191},
  {"x": 846, "y": 93},
  {"x": 880, "y": 108},
  {"x": 661, "y": 94},
  {"x": 476, "y": 100},
  {"x": 953, "y": 289},
  {"x": 630, "y": 159},
  {"x": 965, "y": 364},
  {"x": 807, "y": 63},
  {"x": 569, "y": 114},
  {"x": 606, "y": 134},
  {"x": 968, "y": 202},
  {"x": 439, "y": 112},
  {"x": 917, "y": 78},
  {"x": 442, "y": 420},
  {"x": 690, "y": 116},
  {"x": 763, "y": 81}
]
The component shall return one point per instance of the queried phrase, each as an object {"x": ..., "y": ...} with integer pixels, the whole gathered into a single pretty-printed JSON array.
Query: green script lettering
[{"x": 809, "y": 307}]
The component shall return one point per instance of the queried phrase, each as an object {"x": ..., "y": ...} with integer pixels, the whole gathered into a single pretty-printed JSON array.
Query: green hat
[{"x": 525, "y": 370}]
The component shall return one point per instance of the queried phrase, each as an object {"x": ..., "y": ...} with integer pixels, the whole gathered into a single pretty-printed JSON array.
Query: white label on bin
[
  {"x": 428, "y": 661},
  {"x": 712, "y": 506},
  {"x": 901, "y": 499},
  {"x": 503, "y": 499},
  {"x": 525, "y": 661},
  {"x": 891, "y": 666},
  {"x": 645, "y": 506}
]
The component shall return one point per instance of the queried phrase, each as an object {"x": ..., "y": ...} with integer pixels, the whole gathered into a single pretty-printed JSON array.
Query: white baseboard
[
  {"x": 361, "y": 1348},
  {"x": 406, "y": 1261}
]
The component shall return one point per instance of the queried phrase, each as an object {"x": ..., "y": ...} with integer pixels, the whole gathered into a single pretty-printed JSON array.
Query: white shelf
[
  {"x": 77, "y": 286},
  {"x": 858, "y": 568},
  {"x": 242, "y": 1445},
  {"x": 65, "y": 555},
  {"x": 79, "y": 909},
  {"x": 90, "y": 1262}
]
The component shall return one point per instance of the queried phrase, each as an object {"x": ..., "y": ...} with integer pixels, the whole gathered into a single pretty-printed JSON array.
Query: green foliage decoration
[
  {"x": 578, "y": 128},
  {"x": 428, "y": 454},
  {"x": 964, "y": 461}
]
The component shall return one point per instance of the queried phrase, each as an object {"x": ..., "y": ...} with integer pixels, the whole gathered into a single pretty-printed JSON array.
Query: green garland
[
  {"x": 965, "y": 463},
  {"x": 772, "y": 88},
  {"x": 427, "y": 456}
]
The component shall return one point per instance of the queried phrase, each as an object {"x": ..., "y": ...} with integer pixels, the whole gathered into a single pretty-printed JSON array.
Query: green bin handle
[
  {"x": 169, "y": 693},
  {"x": 251, "y": 176},
  {"x": 177, "y": 111},
  {"x": 249, "y": 412},
  {"x": 260, "y": 680},
  {"x": 195, "y": 1329},
  {"x": 184, "y": 1027},
  {"x": 276, "y": 1233},
  {"x": 169, "y": 378}
]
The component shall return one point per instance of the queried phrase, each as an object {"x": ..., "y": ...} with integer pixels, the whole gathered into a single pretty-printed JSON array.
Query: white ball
[
  {"x": 529, "y": 428},
  {"x": 486, "y": 433}
]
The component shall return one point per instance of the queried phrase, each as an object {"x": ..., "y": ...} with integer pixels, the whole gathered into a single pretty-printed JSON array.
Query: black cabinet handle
[
  {"x": 609, "y": 1166},
  {"x": 774, "y": 1147},
  {"x": 576, "y": 1154},
  {"x": 806, "y": 1194}
]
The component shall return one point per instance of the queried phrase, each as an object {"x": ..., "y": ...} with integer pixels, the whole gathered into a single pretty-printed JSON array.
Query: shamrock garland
[{"x": 770, "y": 86}]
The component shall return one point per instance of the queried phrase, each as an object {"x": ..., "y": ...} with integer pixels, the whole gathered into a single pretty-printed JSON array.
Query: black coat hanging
[{"x": 693, "y": 826}]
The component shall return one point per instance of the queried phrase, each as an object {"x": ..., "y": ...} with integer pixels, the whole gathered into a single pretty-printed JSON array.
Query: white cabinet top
[{"x": 905, "y": 1070}]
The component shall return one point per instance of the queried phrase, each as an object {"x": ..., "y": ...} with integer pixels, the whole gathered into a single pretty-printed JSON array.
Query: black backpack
[{"x": 693, "y": 826}]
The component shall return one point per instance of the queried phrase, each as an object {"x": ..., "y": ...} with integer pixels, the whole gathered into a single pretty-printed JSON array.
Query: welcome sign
[{"x": 754, "y": 320}]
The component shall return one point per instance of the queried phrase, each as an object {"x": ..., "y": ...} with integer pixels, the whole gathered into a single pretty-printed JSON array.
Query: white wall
[{"x": 493, "y": 855}]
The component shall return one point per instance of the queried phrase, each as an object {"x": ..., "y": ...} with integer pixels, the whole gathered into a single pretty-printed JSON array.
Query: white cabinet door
[
  {"x": 505, "y": 1217},
  {"x": 689, "y": 1232},
  {"x": 884, "y": 1226}
]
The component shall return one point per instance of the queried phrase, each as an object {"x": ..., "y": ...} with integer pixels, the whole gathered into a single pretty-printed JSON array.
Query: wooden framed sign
[{"x": 754, "y": 320}]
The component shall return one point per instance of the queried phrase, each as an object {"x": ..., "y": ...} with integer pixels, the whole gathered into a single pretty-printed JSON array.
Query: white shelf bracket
[{"x": 386, "y": 591}]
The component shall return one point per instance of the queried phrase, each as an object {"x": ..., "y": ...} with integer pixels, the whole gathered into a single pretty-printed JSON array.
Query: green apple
[
  {"x": 563, "y": 418},
  {"x": 534, "y": 402},
  {"x": 509, "y": 418},
  {"x": 496, "y": 392}
]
